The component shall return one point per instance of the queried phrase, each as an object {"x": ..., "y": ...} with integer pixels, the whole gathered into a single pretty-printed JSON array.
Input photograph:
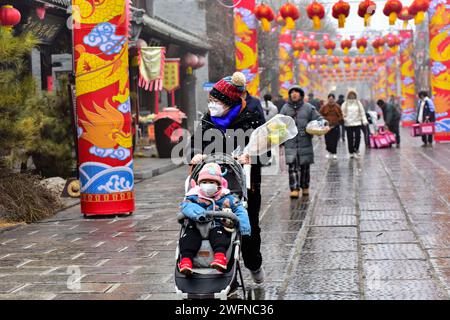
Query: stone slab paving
[{"x": 373, "y": 228}]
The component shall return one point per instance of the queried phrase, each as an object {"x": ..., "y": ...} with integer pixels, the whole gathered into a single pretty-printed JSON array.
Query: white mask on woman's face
[
  {"x": 209, "y": 189},
  {"x": 216, "y": 109}
]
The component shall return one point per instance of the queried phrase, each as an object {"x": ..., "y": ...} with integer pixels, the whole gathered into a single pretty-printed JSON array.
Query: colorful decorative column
[
  {"x": 439, "y": 27},
  {"x": 246, "y": 42},
  {"x": 286, "y": 67},
  {"x": 407, "y": 78},
  {"x": 303, "y": 75},
  {"x": 391, "y": 68},
  {"x": 103, "y": 106}
]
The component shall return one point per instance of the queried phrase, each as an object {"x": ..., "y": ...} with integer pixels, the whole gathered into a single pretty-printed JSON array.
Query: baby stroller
[{"x": 205, "y": 282}]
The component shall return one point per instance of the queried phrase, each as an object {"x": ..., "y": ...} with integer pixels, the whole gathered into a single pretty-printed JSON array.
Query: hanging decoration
[
  {"x": 439, "y": 16},
  {"x": 340, "y": 11},
  {"x": 366, "y": 9},
  {"x": 246, "y": 43},
  {"x": 405, "y": 16},
  {"x": 370, "y": 60},
  {"x": 9, "y": 17},
  {"x": 298, "y": 47},
  {"x": 347, "y": 60},
  {"x": 358, "y": 61},
  {"x": 151, "y": 67},
  {"x": 289, "y": 12},
  {"x": 346, "y": 45},
  {"x": 312, "y": 60},
  {"x": 378, "y": 45},
  {"x": 315, "y": 12},
  {"x": 103, "y": 108},
  {"x": 335, "y": 61},
  {"x": 407, "y": 78},
  {"x": 313, "y": 46},
  {"x": 393, "y": 42},
  {"x": 323, "y": 61},
  {"x": 418, "y": 9},
  {"x": 266, "y": 15},
  {"x": 330, "y": 45},
  {"x": 392, "y": 9},
  {"x": 361, "y": 44}
]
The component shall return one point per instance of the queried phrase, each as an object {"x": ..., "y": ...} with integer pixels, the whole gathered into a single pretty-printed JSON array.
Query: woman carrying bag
[
  {"x": 354, "y": 120},
  {"x": 426, "y": 114},
  {"x": 331, "y": 111}
]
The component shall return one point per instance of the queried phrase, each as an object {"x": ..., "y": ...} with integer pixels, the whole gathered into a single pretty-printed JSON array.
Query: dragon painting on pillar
[{"x": 100, "y": 37}]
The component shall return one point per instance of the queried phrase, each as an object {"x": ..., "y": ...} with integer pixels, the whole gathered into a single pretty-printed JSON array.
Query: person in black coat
[
  {"x": 232, "y": 108},
  {"x": 426, "y": 113},
  {"x": 340, "y": 101}
]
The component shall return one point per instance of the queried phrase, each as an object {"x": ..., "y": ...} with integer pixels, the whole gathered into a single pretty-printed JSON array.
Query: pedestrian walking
[
  {"x": 270, "y": 110},
  {"x": 340, "y": 101},
  {"x": 391, "y": 119},
  {"x": 426, "y": 113},
  {"x": 280, "y": 102},
  {"x": 232, "y": 109},
  {"x": 299, "y": 150},
  {"x": 313, "y": 101},
  {"x": 354, "y": 119},
  {"x": 331, "y": 111}
]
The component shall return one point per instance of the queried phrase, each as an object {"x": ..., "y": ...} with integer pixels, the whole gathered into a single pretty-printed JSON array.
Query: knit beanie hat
[
  {"x": 210, "y": 171},
  {"x": 229, "y": 89}
]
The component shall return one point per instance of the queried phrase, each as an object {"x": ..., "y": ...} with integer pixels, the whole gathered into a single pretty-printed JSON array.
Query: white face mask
[
  {"x": 209, "y": 189},
  {"x": 216, "y": 109}
]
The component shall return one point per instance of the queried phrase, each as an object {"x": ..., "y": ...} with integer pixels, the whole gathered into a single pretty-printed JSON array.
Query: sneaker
[
  {"x": 295, "y": 193},
  {"x": 258, "y": 275},
  {"x": 327, "y": 156},
  {"x": 185, "y": 266},
  {"x": 334, "y": 156},
  {"x": 220, "y": 262},
  {"x": 305, "y": 191},
  {"x": 356, "y": 155},
  {"x": 352, "y": 155}
]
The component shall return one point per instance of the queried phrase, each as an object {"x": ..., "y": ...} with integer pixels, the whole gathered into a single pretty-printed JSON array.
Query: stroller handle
[{"x": 214, "y": 214}]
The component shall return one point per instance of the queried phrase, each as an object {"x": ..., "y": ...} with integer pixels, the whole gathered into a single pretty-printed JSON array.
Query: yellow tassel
[
  {"x": 420, "y": 16},
  {"x": 296, "y": 53},
  {"x": 345, "y": 50},
  {"x": 313, "y": 51},
  {"x": 361, "y": 49},
  {"x": 392, "y": 18},
  {"x": 265, "y": 25},
  {"x": 366, "y": 19},
  {"x": 405, "y": 24},
  {"x": 290, "y": 23},
  {"x": 316, "y": 22},
  {"x": 330, "y": 52},
  {"x": 341, "y": 20}
]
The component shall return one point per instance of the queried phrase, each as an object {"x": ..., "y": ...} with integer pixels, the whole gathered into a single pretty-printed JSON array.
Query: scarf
[{"x": 224, "y": 122}]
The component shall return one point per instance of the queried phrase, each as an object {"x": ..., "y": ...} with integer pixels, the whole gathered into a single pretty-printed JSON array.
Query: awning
[
  {"x": 159, "y": 27},
  {"x": 58, "y": 3}
]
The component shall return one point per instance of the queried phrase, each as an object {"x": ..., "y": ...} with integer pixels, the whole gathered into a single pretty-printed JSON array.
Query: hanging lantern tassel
[
  {"x": 265, "y": 24},
  {"x": 419, "y": 17},
  {"x": 330, "y": 52},
  {"x": 296, "y": 53},
  {"x": 405, "y": 24},
  {"x": 341, "y": 20},
  {"x": 361, "y": 49},
  {"x": 346, "y": 50},
  {"x": 290, "y": 24},
  {"x": 392, "y": 18},
  {"x": 313, "y": 52},
  {"x": 367, "y": 19},
  {"x": 316, "y": 22}
]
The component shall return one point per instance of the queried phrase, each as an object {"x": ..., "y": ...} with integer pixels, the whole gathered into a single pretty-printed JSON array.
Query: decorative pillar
[
  {"x": 286, "y": 77},
  {"x": 246, "y": 42},
  {"x": 100, "y": 39},
  {"x": 407, "y": 78},
  {"x": 439, "y": 15}
]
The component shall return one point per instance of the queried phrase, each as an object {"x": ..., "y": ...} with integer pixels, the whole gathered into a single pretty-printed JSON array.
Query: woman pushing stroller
[{"x": 210, "y": 190}]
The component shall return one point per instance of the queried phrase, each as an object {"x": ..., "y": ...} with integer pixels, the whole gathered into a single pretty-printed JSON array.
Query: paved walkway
[{"x": 373, "y": 228}]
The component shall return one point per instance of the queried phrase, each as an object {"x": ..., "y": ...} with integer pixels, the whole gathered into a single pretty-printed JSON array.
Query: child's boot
[
  {"x": 185, "y": 266},
  {"x": 219, "y": 262}
]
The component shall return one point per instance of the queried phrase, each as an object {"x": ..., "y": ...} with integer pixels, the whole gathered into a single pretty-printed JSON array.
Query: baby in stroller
[{"x": 210, "y": 194}]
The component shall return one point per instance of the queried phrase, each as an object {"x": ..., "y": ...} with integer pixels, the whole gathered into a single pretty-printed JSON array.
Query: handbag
[{"x": 423, "y": 129}]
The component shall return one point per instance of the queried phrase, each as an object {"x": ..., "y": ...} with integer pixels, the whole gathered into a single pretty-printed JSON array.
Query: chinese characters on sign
[{"x": 171, "y": 75}]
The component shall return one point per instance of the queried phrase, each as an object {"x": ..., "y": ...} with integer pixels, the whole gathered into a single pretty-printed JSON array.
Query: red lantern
[
  {"x": 313, "y": 46},
  {"x": 323, "y": 61},
  {"x": 405, "y": 16},
  {"x": 392, "y": 9},
  {"x": 361, "y": 44},
  {"x": 330, "y": 46},
  {"x": 316, "y": 12},
  {"x": 190, "y": 60},
  {"x": 312, "y": 61},
  {"x": 366, "y": 9},
  {"x": 347, "y": 61},
  {"x": 381, "y": 59},
  {"x": 378, "y": 44},
  {"x": 393, "y": 42},
  {"x": 346, "y": 45},
  {"x": 265, "y": 14},
  {"x": 335, "y": 61},
  {"x": 341, "y": 11},
  {"x": 418, "y": 9},
  {"x": 370, "y": 60},
  {"x": 9, "y": 16},
  {"x": 290, "y": 13},
  {"x": 298, "y": 47},
  {"x": 201, "y": 62},
  {"x": 358, "y": 61}
]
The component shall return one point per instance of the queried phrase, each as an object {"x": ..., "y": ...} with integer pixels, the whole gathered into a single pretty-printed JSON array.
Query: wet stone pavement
[{"x": 373, "y": 228}]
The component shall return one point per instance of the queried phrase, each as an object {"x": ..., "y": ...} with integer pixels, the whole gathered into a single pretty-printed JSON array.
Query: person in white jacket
[
  {"x": 270, "y": 110},
  {"x": 354, "y": 120}
]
